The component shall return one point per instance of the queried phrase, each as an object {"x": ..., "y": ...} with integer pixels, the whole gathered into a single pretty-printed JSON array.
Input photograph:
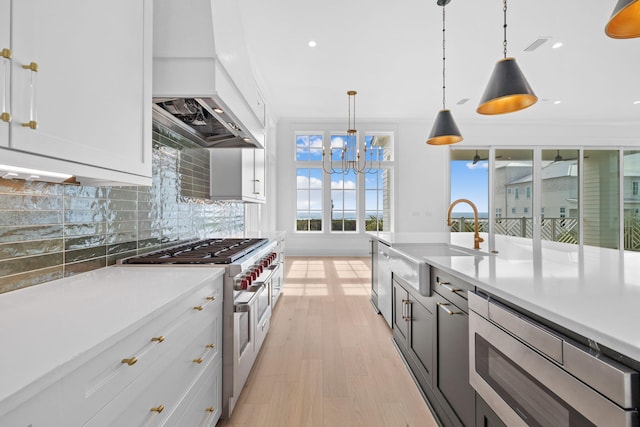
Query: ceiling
[{"x": 391, "y": 53}]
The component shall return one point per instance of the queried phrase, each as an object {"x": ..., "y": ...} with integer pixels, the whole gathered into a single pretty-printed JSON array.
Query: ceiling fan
[
  {"x": 477, "y": 158},
  {"x": 559, "y": 158}
]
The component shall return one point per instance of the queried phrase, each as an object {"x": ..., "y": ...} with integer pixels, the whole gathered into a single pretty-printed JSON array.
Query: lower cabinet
[
  {"x": 413, "y": 330},
  {"x": 485, "y": 417},
  {"x": 165, "y": 369},
  {"x": 432, "y": 335}
]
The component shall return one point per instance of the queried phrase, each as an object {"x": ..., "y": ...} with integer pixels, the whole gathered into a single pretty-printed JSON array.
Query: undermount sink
[{"x": 446, "y": 249}]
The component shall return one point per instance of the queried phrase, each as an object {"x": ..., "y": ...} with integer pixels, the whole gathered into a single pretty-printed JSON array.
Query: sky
[{"x": 469, "y": 181}]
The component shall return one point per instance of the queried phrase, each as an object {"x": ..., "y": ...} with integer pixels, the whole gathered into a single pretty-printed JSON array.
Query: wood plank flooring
[{"x": 328, "y": 359}]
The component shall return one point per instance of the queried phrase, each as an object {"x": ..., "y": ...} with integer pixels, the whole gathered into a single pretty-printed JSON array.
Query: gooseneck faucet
[{"x": 476, "y": 236}]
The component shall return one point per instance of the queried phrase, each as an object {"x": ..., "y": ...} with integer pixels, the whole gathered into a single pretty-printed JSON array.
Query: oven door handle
[{"x": 245, "y": 307}]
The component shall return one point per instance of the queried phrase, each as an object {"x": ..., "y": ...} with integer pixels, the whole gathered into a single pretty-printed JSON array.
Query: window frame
[{"x": 360, "y": 210}]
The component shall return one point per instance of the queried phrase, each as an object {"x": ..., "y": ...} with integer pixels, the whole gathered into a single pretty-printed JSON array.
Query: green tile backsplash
[{"x": 49, "y": 231}]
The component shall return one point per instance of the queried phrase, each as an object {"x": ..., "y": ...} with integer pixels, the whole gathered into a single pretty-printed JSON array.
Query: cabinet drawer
[
  {"x": 153, "y": 397},
  {"x": 102, "y": 378},
  {"x": 42, "y": 410},
  {"x": 202, "y": 406},
  {"x": 451, "y": 288}
]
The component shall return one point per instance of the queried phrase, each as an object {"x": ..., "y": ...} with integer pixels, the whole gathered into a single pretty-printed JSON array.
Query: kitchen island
[{"x": 585, "y": 296}]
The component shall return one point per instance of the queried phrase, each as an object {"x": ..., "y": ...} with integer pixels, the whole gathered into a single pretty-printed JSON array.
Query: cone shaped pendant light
[
  {"x": 444, "y": 131},
  {"x": 625, "y": 20},
  {"x": 508, "y": 89}
]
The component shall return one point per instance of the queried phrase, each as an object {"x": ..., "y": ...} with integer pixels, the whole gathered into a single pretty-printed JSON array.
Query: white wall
[{"x": 421, "y": 187}]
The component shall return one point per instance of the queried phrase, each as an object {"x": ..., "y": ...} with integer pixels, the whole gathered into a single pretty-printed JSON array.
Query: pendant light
[
  {"x": 625, "y": 20},
  {"x": 444, "y": 131},
  {"x": 508, "y": 89}
]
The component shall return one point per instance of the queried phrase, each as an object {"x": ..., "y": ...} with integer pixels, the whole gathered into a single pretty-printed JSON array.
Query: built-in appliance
[
  {"x": 253, "y": 274},
  {"x": 530, "y": 375}
]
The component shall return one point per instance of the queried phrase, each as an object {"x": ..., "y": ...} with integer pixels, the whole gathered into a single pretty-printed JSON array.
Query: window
[
  {"x": 498, "y": 212},
  {"x": 470, "y": 180},
  {"x": 528, "y": 192},
  {"x": 513, "y": 211},
  {"x": 634, "y": 190},
  {"x": 343, "y": 201},
  {"x": 517, "y": 193},
  {"x": 563, "y": 212},
  {"x": 508, "y": 191},
  {"x": 526, "y": 210}
]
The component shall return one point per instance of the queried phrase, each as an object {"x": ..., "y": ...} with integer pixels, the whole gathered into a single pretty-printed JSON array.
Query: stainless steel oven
[{"x": 531, "y": 375}]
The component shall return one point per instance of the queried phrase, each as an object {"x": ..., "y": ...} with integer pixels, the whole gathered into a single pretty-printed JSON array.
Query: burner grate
[{"x": 211, "y": 251}]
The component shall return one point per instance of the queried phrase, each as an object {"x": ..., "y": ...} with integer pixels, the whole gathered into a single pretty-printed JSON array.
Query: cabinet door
[
  {"x": 399, "y": 315},
  {"x": 373, "y": 250},
  {"x": 90, "y": 94},
  {"x": 453, "y": 360},
  {"x": 485, "y": 417},
  {"x": 42, "y": 410},
  {"x": 259, "y": 187},
  {"x": 5, "y": 68},
  {"x": 384, "y": 282},
  {"x": 421, "y": 337}
]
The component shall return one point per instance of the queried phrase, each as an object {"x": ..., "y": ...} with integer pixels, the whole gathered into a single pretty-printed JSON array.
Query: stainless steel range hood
[
  {"x": 202, "y": 121},
  {"x": 202, "y": 78}
]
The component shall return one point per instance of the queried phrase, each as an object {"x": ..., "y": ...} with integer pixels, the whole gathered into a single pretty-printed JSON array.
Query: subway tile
[
  {"x": 119, "y": 248},
  {"x": 86, "y": 241},
  {"x": 10, "y": 186},
  {"x": 83, "y": 229},
  {"x": 84, "y": 254},
  {"x": 30, "y": 278},
  {"x": 83, "y": 204},
  {"x": 83, "y": 217},
  {"x": 22, "y": 265},
  {"x": 84, "y": 191},
  {"x": 30, "y": 248},
  {"x": 84, "y": 266},
  {"x": 30, "y": 202},
  {"x": 19, "y": 234},
  {"x": 20, "y": 218}
]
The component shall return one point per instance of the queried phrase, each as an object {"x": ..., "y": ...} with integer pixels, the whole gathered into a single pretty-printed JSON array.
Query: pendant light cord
[
  {"x": 504, "y": 43},
  {"x": 444, "y": 57}
]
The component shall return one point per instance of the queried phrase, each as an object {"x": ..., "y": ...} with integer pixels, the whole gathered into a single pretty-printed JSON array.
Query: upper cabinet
[
  {"x": 80, "y": 86},
  {"x": 238, "y": 174},
  {"x": 5, "y": 64}
]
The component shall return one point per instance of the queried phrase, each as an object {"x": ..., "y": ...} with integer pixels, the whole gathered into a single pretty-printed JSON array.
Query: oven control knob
[
  {"x": 254, "y": 275},
  {"x": 266, "y": 262},
  {"x": 259, "y": 269},
  {"x": 244, "y": 284}
]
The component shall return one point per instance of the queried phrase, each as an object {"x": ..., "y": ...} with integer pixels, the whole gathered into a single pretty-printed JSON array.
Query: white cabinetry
[
  {"x": 80, "y": 88},
  {"x": 238, "y": 174},
  {"x": 154, "y": 366},
  {"x": 5, "y": 64}
]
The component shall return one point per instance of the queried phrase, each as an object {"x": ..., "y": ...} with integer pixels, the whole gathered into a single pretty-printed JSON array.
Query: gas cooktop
[{"x": 210, "y": 251}]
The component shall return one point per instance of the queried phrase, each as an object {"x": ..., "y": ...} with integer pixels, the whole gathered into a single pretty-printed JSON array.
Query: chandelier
[{"x": 347, "y": 158}]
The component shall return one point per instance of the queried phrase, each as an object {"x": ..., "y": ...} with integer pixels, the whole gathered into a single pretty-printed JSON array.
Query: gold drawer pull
[
  {"x": 211, "y": 298},
  {"x": 32, "y": 124},
  {"x": 5, "y": 117},
  {"x": 210, "y": 346},
  {"x": 158, "y": 409},
  {"x": 6, "y": 53},
  {"x": 210, "y": 409},
  {"x": 131, "y": 361},
  {"x": 32, "y": 66},
  {"x": 198, "y": 307},
  {"x": 158, "y": 339},
  {"x": 198, "y": 360}
]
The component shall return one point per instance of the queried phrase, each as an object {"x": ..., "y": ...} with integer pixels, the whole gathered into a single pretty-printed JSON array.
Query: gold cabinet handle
[
  {"x": 210, "y": 409},
  {"x": 198, "y": 360},
  {"x": 6, "y": 53},
  {"x": 198, "y": 307},
  {"x": 5, "y": 117},
  {"x": 210, "y": 346},
  {"x": 32, "y": 124},
  {"x": 158, "y": 409},
  {"x": 158, "y": 339},
  {"x": 211, "y": 298},
  {"x": 130, "y": 361},
  {"x": 32, "y": 66}
]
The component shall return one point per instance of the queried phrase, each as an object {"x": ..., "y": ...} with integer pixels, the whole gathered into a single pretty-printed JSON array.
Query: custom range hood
[{"x": 203, "y": 86}]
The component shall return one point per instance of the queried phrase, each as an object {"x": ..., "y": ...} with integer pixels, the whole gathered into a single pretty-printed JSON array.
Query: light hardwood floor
[{"x": 328, "y": 359}]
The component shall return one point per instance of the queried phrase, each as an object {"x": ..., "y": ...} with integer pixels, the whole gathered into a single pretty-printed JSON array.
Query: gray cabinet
[
  {"x": 238, "y": 174},
  {"x": 485, "y": 417},
  {"x": 373, "y": 251},
  {"x": 383, "y": 286},
  {"x": 451, "y": 384},
  {"x": 413, "y": 330}
]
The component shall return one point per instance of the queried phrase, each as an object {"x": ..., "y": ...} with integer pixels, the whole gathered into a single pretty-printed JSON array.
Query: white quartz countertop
[
  {"x": 594, "y": 292},
  {"x": 44, "y": 328}
]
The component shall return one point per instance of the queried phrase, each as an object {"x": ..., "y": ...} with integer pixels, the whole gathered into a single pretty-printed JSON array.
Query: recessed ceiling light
[
  {"x": 218, "y": 110},
  {"x": 557, "y": 102},
  {"x": 312, "y": 43},
  {"x": 557, "y": 45},
  {"x": 636, "y": 102}
]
